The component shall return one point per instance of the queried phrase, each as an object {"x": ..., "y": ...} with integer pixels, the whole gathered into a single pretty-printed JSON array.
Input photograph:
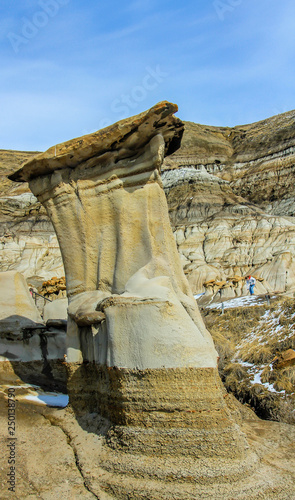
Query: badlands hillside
[{"x": 230, "y": 193}]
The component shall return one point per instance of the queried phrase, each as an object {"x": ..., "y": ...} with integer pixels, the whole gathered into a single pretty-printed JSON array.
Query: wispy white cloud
[
  {"x": 115, "y": 35},
  {"x": 65, "y": 80}
]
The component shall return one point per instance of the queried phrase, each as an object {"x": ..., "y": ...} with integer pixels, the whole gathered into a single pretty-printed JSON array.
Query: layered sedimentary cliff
[
  {"x": 28, "y": 243},
  {"x": 231, "y": 202},
  {"x": 257, "y": 159},
  {"x": 140, "y": 361}
]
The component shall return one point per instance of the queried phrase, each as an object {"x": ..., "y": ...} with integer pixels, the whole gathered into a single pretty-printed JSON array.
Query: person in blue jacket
[{"x": 251, "y": 281}]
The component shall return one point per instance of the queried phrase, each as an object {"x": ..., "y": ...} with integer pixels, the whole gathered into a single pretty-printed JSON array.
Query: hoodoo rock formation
[
  {"x": 31, "y": 347},
  {"x": 139, "y": 354},
  {"x": 230, "y": 194},
  {"x": 104, "y": 196}
]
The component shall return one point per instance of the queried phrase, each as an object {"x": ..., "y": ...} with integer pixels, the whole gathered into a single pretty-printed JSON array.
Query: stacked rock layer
[
  {"x": 138, "y": 351},
  {"x": 230, "y": 194}
]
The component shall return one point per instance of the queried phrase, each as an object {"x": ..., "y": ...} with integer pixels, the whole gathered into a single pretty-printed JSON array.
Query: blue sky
[{"x": 69, "y": 67}]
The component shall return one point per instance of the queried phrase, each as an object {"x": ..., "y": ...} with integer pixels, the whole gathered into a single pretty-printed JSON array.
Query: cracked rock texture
[
  {"x": 138, "y": 352},
  {"x": 60, "y": 456},
  {"x": 46, "y": 464},
  {"x": 138, "y": 429}
]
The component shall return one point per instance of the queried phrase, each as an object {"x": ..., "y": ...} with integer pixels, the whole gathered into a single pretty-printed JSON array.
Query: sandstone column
[{"x": 138, "y": 351}]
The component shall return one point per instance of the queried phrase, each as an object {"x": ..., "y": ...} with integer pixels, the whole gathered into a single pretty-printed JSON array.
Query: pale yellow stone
[{"x": 104, "y": 196}]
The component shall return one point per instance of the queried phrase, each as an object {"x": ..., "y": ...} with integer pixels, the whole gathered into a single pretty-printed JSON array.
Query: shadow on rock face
[
  {"x": 17, "y": 327},
  {"x": 50, "y": 375},
  {"x": 33, "y": 351},
  {"x": 85, "y": 384}
]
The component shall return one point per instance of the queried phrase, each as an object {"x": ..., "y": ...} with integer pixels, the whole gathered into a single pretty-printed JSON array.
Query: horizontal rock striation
[
  {"x": 138, "y": 352},
  {"x": 110, "y": 215},
  {"x": 258, "y": 160},
  {"x": 230, "y": 193},
  {"x": 231, "y": 203},
  {"x": 28, "y": 243}
]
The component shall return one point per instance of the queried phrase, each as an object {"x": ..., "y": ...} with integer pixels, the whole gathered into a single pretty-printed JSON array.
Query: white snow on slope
[
  {"x": 245, "y": 301},
  {"x": 35, "y": 394},
  {"x": 255, "y": 373},
  {"x": 57, "y": 400}
]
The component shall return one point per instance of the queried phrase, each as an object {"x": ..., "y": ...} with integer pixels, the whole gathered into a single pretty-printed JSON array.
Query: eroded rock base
[
  {"x": 159, "y": 413},
  {"x": 170, "y": 433},
  {"x": 64, "y": 455}
]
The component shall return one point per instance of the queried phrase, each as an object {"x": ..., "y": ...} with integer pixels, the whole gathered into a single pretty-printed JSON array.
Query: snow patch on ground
[
  {"x": 269, "y": 326},
  {"x": 57, "y": 400},
  {"x": 245, "y": 301},
  {"x": 255, "y": 374},
  {"x": 267, "y": 385},
  {"x": 34, "y": 394}
]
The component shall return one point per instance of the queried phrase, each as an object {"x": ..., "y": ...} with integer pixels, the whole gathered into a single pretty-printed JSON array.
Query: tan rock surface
[
  {"x": 217, "y": 185},
  {"x": 218, "y": 229},
  {"x": 60, "y": 457},
  {"x": 284, "y": 359},
  {"x": 226, "y": 244},
  {"x": 257, "y": 159},
  {"x": 145, "y": 368},
  {"x": 9, "y": 161},
  {"x": 27, "y": 240},
  {"x": 45, "y": 462},
  {"x": 56, "y": 310},
  {"x": 23, "y": 335},
  {"x": 104, "y": 195},
  {"x": 124, "y": 139},
  {"x": 15, "y": 298},
  {"x": 138, "y": 351}
]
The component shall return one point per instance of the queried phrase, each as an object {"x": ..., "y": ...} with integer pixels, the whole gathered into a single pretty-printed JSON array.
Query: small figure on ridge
[{"x": 250, "y": 284}]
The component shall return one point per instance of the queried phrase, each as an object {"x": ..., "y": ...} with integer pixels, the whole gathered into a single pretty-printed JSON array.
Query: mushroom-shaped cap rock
[{"x": 124, "y": 139}]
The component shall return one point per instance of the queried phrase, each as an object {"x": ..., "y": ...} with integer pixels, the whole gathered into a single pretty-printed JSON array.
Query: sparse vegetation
[{"x": 247, "y": 340}]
